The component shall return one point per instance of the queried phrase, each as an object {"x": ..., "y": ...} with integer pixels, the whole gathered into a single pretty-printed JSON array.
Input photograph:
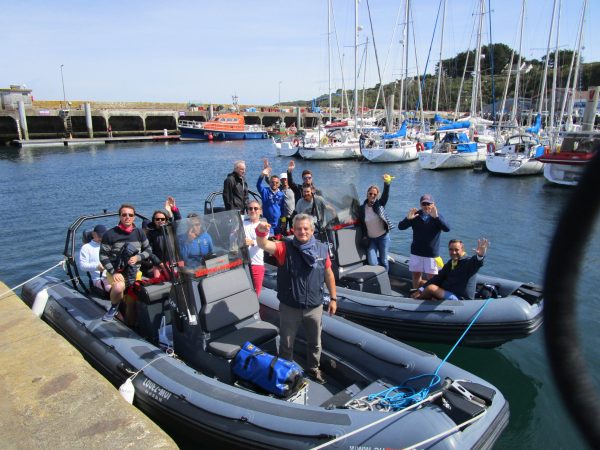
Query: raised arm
[{"x": 262, "y": 234}]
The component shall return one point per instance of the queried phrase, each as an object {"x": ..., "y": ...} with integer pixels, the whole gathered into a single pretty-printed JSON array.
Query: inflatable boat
[
  {"x": 187, "y": 335},
  {"x": 503, "y": 309}
]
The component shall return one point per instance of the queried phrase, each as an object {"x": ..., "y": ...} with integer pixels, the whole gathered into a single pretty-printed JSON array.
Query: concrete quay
[{"x": 50, "y": 397}]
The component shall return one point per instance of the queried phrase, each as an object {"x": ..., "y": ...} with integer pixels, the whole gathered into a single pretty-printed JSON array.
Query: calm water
[{"x": 44, "y": 190}]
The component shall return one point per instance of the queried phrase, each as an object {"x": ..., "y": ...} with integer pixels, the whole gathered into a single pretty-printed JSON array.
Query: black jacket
[
  {"x": 235, "y": 192},
  {"x": 461, "y": 280},
  {"x": 378, "y": 208}
]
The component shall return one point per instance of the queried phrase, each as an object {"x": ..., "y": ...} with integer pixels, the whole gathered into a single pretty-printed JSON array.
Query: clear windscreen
[
  {"x": 207, "y": 244},
  {"x": 341, "y": 205}
]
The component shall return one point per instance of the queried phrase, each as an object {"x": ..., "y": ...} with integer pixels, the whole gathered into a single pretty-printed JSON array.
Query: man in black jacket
[
  {"x": 235, "y": 188},
  {"x": 456, "y": 280}
]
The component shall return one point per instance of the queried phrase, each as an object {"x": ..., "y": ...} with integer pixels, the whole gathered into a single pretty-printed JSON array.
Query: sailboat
[
  {"x": 392, "y": 147},
  {"x": 453, "y": 148},
  {"x": 518, "y": 155},
  {"x": 337, "y": 143}
]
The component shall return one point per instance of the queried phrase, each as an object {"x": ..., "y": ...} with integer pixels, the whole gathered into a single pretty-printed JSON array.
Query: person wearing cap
[
  {"x": 289, "y": 203},
  {"x": 427, "y": 225},
  {"x": 272, "y": 198},
  {"x": 89, "y": 259}
]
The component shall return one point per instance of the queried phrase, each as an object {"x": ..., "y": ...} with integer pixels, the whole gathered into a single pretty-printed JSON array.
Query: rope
[
  {"x": 32, "y": 278},
  {"x": 377, "y": 422},
  {"x": 169, "y": 353},
  {"x": 477, "y": 314}
]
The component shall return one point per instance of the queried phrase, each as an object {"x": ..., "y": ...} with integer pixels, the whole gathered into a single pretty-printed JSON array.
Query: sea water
[{"x": 43, "y": 190}]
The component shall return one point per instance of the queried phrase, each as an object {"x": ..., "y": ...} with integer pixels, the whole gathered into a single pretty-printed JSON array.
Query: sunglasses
[
  {"x": 127, "y": 215},
  {"x": 253, "y": 209},
  {"x": 160, "y": 219},
  {"x": 307, "y": 177},
  {"x": 373, "y": 194},
  {"x": 426, "y": 204}
]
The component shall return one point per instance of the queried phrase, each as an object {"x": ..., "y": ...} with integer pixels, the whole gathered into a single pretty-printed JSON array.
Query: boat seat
[
  {"x": 230, "y": 313},
  {"x": 351, "y": 267}
]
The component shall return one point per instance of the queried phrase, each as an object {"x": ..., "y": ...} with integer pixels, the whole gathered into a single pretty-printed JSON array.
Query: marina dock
[
  {"x": 91, "y": 141},
  {"x": 52, "y": 398}
]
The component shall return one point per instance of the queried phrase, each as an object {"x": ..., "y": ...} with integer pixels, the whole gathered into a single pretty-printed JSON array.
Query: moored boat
[
  {"x": 390, "y": 147},
  {"x": 369, "y": 295},
  {"x": 566, "y": 163},
  {"x": 516, "y": 157},
  {"x": 453, "y": 151},
  {"x": 212, "y": 311},
  {"x": 222, "y": 127}
]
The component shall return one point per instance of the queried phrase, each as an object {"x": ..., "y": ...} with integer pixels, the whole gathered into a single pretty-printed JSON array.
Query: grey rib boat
[{"x": 379, "y": 392}]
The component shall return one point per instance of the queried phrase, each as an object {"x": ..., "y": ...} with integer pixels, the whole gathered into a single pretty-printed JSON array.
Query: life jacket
[{"x": 298, "y": 284}]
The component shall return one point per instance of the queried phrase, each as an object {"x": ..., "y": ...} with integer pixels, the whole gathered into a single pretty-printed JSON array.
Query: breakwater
[{"x": 48, "y": 120}]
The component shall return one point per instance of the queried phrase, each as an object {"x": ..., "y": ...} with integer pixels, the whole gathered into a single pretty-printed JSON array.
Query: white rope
[
  {"x": 447, "y": 432},
  {"x": 169, "y": 353},
  {"x": 377, "y": 422},
  {"x": 32, "y": 278}
]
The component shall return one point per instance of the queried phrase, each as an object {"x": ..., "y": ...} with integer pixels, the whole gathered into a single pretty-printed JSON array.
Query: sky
[{"x": 263, "y": 51}]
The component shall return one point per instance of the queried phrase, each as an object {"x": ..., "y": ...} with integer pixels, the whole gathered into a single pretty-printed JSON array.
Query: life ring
[
  {"x": 491, "y": 148},
  {"x": 296, "y": 142},
  {"x": 420, "y": 147},
  {"x": 324, "y": 140}
]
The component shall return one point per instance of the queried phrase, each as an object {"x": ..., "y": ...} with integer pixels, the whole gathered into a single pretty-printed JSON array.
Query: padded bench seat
[{"x": 227, "y": 346}]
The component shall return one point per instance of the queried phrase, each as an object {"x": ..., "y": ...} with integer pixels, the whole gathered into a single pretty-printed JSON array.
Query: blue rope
[
  {"x": 398, "y": 397},
  {"x": 464, "y": 334}
]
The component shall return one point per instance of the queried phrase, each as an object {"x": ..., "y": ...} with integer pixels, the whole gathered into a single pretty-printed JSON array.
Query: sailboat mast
[
  {"x": 404, "y": 73},
  {"x": 543, "y": 89},
  {"x": 576, "y": 75},
  {"x": 513, "y": 113},
  {"x": 477, "y": 68},
  {"x": 554, "y": 75},
  {"x": 439, "y": 81},
  {"x": 355, "y": 63},
  {"x": 329, "y": 53}
]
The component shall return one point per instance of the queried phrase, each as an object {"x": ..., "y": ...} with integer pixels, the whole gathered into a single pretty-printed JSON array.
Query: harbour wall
[
  {"x": 49, "y": 123},
  {"x": 50, "y": 397}
]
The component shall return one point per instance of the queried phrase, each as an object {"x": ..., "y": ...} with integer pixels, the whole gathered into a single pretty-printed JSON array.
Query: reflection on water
[{"x": 45, "y": 189}]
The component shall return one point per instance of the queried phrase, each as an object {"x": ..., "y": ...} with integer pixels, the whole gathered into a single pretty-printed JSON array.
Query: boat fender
[
  {"x": 296, "y": 142},
  {"x": 39, "y": 303},
  {"x": 210, "y": 136},
  {"x": 324, "y": 140},
  {"x": 127, "y": 391},
  {"x": 420, "y": 147},
  {"x": 491, "y": 148},
  {"x": 546, "y": 149}
]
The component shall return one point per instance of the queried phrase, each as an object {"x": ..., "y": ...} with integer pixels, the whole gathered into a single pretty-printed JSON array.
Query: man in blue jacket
[
  {"x": 272, "y": 198},
  {"x": 456, "y": 280}
]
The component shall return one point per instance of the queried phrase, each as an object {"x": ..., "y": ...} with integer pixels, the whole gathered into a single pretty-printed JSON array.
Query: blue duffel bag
[{"x": 273, "y": 374}]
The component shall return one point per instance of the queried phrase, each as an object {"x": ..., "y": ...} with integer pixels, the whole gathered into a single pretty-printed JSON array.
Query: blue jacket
[
  {"x": 426, "y": 234},
  {"x": 272, "y": 202},
  {"x": 193, "y": 252}
]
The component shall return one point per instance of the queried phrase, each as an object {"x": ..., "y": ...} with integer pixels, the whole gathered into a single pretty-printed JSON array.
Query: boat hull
[
  {"x": 331, "y": 152},
  {"x": 386, "y": 155},
  {"x": 286, "y": 149},
  {"x": 205, "y": 410},
  {"x": 503, "y": 319},
  {"x": 431, "y": 160},
  {"x": 563, "y": 174},
  {"x": 510, "y": 164},
  {"x": 213, "y": 135}
]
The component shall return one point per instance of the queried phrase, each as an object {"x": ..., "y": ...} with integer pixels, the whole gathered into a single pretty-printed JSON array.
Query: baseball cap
[
  {"x": 100, "y": 230},
  {"x": 427, "y": 198},
  {"x": 283, "y": 175}
]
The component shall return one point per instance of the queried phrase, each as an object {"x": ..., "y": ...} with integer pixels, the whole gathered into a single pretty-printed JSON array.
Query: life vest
[{"x": 298, "y": 284}]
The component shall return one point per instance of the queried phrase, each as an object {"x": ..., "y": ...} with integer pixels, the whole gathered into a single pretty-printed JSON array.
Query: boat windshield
[
  {"x": 207, "y": 244},
  {"x": 341, "y": 205},
  {"x": 580, "y": 144}
]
